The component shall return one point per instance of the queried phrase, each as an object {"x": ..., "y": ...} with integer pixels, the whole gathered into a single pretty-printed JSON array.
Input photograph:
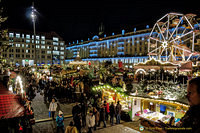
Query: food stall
[
  {"x": 114, "y": 94},
  {"x": 153, "y": 110}
]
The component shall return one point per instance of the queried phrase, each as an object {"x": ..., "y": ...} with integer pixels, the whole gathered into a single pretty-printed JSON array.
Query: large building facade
[
  {"x": 130, "y": 48},
  {"x": 45, "y": 48}
]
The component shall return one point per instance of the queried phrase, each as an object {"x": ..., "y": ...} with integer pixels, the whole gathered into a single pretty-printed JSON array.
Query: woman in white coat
[
  {"x": 52, "y": 108},
  {"x": 90, "y": 120}
]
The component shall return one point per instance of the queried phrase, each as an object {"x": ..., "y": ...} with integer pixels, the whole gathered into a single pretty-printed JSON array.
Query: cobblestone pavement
[
  {"x": 124, "y": 127},
  {"x": 41, "y": 110},
  {"x": 117, "y": 129}
]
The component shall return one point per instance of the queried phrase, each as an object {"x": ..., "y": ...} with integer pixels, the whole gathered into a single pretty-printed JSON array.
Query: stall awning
[{"x": 9, "y": 104}]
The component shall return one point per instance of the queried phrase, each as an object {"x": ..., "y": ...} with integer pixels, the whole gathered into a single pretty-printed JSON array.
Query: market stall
[{"x": 114, "y": 94}]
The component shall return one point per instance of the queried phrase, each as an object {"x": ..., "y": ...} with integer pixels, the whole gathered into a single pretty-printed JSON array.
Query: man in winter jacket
[
  {"x": 102, "y": 116},
  {"x": 77, "y": 121},
  {"x": 118, "y": 112},
  {"x": 76, "y": 109},
  {"x": 90, "y": 120},
  {"x": 52, "y": 108},
  {"x": 112, "y": 113}
]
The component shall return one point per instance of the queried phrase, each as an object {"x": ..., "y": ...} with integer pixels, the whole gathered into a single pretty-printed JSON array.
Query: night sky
[{"x": 80, "y": 19}]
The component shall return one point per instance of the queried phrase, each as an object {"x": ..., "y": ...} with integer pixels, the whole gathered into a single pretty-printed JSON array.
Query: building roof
[
  {"x": 114, "y": 36},
  {"x": 48, "y": 35}
]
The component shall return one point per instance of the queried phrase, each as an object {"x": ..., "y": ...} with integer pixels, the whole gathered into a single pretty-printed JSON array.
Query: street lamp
[{"x": 33, "y": 16}]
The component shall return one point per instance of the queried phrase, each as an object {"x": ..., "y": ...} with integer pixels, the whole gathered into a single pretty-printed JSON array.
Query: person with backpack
[{"x": 60, "y": 122}]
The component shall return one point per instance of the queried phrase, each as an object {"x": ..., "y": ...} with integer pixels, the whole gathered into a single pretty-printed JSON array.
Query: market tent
[{"x": 10, "y": 106}]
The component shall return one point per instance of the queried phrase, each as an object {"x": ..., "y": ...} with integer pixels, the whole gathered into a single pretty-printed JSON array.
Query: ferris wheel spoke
[
  {"x": 156, "y": 39},
  {"x": 181, "y": 36},
  {"x": 155, "y": 49},
  {"x": 189, "y": 22},
  {"x": 176, "y": 27},
  {"x": 161, "y": 32}
]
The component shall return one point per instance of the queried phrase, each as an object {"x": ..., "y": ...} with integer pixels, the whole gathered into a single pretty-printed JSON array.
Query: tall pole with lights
[{"x": 33, "y": 16}]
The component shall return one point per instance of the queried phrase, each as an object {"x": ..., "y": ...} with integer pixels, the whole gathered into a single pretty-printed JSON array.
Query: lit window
[
  {"x": 61, "y": 48},
  {"x": 32, "y": 36},
  {"x": 27, "y": 41},
  {"x": 55, "y": 43},
  {"x": 27, "y": 51},
  {"x": 28, "y": 36},
  {"x": 48, "y": 52},
  {"x": 56, "y": 52},
  {"x": 43, "y": 37},
  {"x": 22, "y": 45},
  {"x": 22, "y": 35},
  {"x": 55, "y": 39},
  {"x": 17, "y": 35},
  {"x": 42, "y": 47},
  {"x": 17, "y": 45},
  {"x": 37, "y": 42},
  {"x": 42, "y": 42},
  {"x": 62, "y": 53},
  {"x": 61, "y": 43},
  {"x": 11, "y": 34},
  {"x": 37, "y": 37},
  {"x": 55, "y": 48},
  {"x": 37, "y": 46},
  {"x": 61, "y": 57}
]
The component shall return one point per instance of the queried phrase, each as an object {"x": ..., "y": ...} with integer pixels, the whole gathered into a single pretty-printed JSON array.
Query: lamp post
[{"x": 33, "y": 16}]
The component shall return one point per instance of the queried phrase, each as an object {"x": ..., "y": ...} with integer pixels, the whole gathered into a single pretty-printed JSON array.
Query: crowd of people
[{"x": 93, "y": 116}]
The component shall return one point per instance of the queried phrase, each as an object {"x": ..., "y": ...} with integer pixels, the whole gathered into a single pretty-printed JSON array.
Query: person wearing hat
[{"x": 59, "y": 122}]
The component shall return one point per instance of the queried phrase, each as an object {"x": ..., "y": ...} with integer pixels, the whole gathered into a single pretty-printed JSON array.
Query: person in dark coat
[
  {"x": 76, "y": 109},
  {"x": 102, "y": 116},
  {"x": 118, "y": 112},
  {"x": 83, "y": 113},
  {"x": 112, "y": 113},
  {"x": 77, "y": 121}
]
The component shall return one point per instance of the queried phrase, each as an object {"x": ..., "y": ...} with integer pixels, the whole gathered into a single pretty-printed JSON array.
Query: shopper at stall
[
  {"x": 90, "y": 120},
  {"x": 52, "y": 108},
  {"x": 118, "y": 112},
  {"x": 191, "y": 120},
  {"x": 112, "y": 113},
  {"x": 102, "y": 116},
  {"x": 107, "y": 111}
]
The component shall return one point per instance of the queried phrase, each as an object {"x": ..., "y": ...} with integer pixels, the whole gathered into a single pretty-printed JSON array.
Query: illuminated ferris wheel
[{"x": 173, "y": 37}]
